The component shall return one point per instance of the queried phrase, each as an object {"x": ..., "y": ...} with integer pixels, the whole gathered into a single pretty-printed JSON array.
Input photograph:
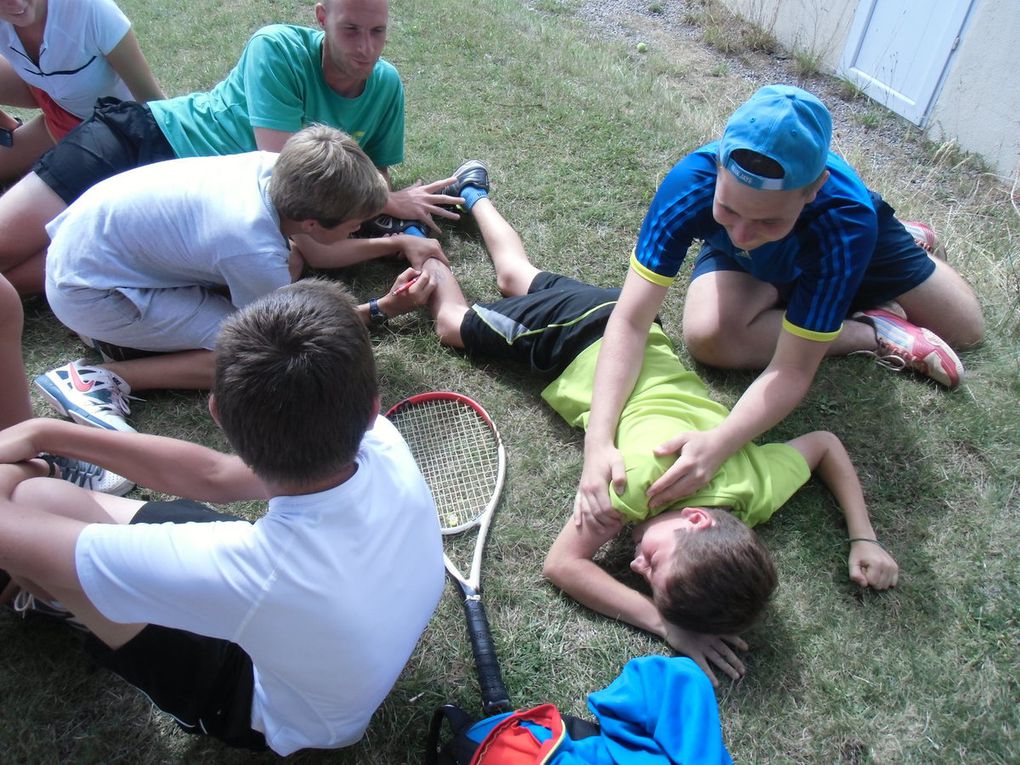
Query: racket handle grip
[{"x": 495, "y": 698}]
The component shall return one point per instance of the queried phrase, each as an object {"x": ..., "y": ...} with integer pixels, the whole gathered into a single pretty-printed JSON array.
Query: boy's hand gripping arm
[
  {"x": 570, "y": 567},
  {"x": 869, "y": 563},
  {"x": 619, "y": 363},
  {"x": 768, "y": 400}
]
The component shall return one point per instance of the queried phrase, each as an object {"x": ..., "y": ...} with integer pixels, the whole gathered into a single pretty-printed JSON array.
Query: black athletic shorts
[
  {"x": 118, "y": 136},
  {"x": 205, "y": 683},
  {"x": 545, "y": 329}
]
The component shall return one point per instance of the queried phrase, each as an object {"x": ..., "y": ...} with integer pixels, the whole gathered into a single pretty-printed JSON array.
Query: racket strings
[{"x": 457, "y": 452}]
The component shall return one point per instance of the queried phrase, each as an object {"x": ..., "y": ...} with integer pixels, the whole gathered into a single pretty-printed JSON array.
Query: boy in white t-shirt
[
  {"x": 154, "y": 259},
  {"x": 264, "y": 634}
]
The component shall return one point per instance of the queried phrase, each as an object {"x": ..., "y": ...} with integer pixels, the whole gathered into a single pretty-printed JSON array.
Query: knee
[
  {"x": 448, "y": 327},
  {"x": 705, "y": 338},
  {"x": 968, "y": 334},
  {"x": 510, "y": 284}
]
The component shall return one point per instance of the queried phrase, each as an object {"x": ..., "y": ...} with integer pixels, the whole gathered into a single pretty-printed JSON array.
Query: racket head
[{"x": 458, "y": 450}]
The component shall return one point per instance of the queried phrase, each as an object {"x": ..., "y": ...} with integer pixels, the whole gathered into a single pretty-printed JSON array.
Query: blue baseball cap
[{"x": 786, "y": 124}]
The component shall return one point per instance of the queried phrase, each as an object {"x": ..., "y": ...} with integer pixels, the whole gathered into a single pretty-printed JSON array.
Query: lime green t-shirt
[
  {"x": 277, "y": 84},
  {"x": 667, "y": 400}
]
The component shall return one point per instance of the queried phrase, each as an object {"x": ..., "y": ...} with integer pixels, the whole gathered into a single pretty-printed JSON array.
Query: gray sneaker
[
  {"x": 471, "y": 173},
  {"x": 87, "y": 475},
  {"x": 26, "y": 603}
]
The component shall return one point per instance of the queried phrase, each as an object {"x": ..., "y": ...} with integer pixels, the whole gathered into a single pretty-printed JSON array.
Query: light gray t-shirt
[{"x": 204, "y": 221}]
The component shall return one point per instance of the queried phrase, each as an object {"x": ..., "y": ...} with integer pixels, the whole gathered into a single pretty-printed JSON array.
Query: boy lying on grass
[{"x": 709, "y": 575}]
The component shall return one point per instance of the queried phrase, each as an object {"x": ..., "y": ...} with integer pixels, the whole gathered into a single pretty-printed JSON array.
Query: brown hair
[
  {"x": 295, "y": 383},
  {"x": 721, "y": 578},
  {"x": 323, "y": 175}
]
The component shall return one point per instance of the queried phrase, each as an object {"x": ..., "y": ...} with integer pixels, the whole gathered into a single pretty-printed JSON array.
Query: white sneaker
[{"x": 89, "y": 395}]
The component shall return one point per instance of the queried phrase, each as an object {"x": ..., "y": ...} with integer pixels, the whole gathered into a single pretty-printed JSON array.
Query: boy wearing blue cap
[{"x": 799, "y": 260}]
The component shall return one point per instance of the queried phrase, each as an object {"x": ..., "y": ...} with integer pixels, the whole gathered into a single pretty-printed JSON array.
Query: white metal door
[{"x": 898, "y": 51}]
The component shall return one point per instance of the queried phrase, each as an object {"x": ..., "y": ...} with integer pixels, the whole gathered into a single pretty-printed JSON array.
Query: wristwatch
[{"x": 375, "y": 313}]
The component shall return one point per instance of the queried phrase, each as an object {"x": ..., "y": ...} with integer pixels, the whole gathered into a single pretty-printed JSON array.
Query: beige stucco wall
[{"x": 978, "y": 106}]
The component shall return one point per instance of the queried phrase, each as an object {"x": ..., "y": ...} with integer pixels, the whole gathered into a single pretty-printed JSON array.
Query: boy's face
[
  {"x": 655, "y": 542},
  {"x": 355, "y": 36},
  {"x": 753, "y": 217}
]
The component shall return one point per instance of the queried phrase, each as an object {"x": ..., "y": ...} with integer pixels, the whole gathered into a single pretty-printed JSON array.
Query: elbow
[{"x": 554, "y": 570}]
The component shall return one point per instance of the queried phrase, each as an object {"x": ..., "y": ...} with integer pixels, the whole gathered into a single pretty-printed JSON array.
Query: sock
[{"x": 472, "y": 194}]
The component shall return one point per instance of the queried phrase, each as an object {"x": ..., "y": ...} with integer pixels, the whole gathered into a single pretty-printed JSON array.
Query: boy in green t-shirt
[{"x": 709, "y": 575}]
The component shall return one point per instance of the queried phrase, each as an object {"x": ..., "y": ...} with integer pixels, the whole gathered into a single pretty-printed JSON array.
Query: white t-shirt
[
  {"x": 72, "y": 68},
  {"x": 200, "y": 222},
  {"x": 328, "y": 593}
]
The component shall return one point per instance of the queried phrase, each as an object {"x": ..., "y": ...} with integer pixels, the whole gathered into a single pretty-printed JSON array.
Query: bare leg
[
  {"x": 514, "y": 272},
  {"x": 187, "y": 370},
  {"x": 447, "y": 303},
  {"x": 16, "y": 406},
  {"x": 946, "y": 304},
  {"x": 25, "y": 210},
  {"x": 731, "y": 321},
  {"x": 40, "y": 528}
]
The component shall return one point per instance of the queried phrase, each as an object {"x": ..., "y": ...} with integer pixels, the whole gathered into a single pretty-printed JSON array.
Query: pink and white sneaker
[
  {"x": 902, "y": 345},
  {"x": 925, "y": 237}
]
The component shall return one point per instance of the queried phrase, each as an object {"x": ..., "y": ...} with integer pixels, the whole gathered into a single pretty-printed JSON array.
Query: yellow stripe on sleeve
[
  {"x": 649, "y": 275},
  {"x": 807, "y": 334}
]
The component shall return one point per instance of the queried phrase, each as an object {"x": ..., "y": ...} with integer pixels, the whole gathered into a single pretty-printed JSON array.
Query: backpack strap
[
  {"x": 459, "y": 748},
  {"x": 578, "y": 727}
]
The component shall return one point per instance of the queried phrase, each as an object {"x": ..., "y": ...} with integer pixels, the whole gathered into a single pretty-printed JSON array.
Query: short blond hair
[{"x": 323, "y": 175}]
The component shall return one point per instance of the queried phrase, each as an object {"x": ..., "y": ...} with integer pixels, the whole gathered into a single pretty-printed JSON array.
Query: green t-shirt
[
  {"x": 667, "y": 400},
  {"x": 278, "y": 84}
]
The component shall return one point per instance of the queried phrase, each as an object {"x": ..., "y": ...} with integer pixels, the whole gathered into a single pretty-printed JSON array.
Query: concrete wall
[{"x": 978, "y": 106}]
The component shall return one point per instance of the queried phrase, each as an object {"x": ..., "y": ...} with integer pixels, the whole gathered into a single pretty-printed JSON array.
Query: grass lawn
[{"x": 577, "y": 132}]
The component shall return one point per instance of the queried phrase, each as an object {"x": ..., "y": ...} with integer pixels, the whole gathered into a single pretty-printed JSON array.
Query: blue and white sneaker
[
  {"x": 89, "y": 395},
  {"x": 87, "y": 475}
]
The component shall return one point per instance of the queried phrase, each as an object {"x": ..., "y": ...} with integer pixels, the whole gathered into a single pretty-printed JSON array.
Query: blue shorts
[
  {"x": 897, "y": 265},
  {"x": 205, "y": 683},
  {"x": 119, "y": 136}
]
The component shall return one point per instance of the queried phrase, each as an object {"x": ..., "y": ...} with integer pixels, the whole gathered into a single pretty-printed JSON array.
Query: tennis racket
[{"x": 459, "y": 451}]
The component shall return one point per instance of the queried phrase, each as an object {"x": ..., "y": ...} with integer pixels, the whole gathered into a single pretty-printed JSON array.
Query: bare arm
[
  {"x": 267, "y": 139},
  {"x": 416, "y": 249},
  {"x": 129, "y": 63},
  {"x": 570, "y": 567},
  {"x": 768, "y": 400},
  {"x": 618, "y": 366},
  {"x": 870, "y": 565},
  {"x": 162, "y": 464}
]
